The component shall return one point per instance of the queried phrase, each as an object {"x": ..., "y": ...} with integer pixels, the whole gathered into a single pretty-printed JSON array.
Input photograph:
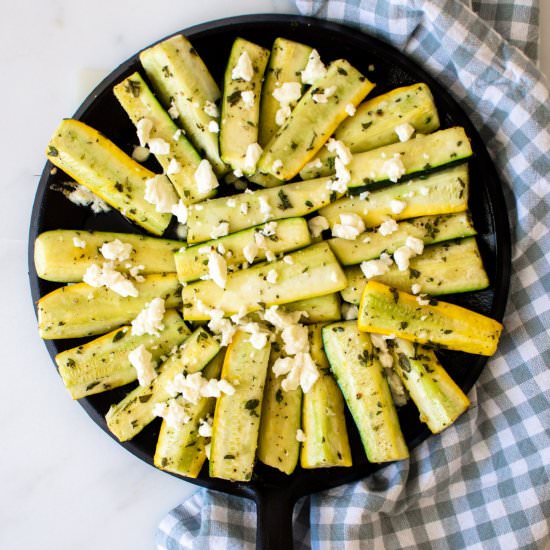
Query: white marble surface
[{"x": 65, "y": 485}]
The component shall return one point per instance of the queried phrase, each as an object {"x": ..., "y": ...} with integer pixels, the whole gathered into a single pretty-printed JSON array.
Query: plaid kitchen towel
[{"x": 484, "y": 482}]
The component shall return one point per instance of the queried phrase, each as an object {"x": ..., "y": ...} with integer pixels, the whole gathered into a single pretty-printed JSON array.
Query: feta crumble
[
  {"x": 282, "y": 114},
  {"x": 350, "y": 109},
  {"x": 205, "y": 427},
  {"x": 248, "y": 98},
  {"x": 109, "y": 277},
  {"x": 315, "y": 68},
  {"x": 402, "y": 256},
  {"x": 173, "y": 110},
  {"x": 211, "y": 109},
  {"x": 288, "y": 92},
  {"x": 174, "y": 167},
  {"x": 349, "y": 311},
  {"x": 79, "y": 243},
  {"x": 277, "y": 165},
  {"x": 404, "y": 131},
  {"x": 81, "y": 196},
  {"x": 300, "y": 436},
  {"x": 341, "y": 150},
  {"x": 143, "y": 130},
  {"x": 172, "y": 412},
  {"x": 140, "y": 154},
  {"x": 149, "y": 319},
  {"x": 397, "y": 206},
  {"x": 217, "y": 269},
  {"x": 394, "y": 168},
  {"x": 388, "y": 227},
  {"x": 158, "y": 146},
  {"x": 322, "y": 97},
  {"x": 265, "y": 208},
  {"x": 317, "y": 225},
  {"x": 415, "y": 244},
  {"x": 180, "y": 211},
  {"x": 253, "y": 153},
  {"x": 160, "y": 192},
  {"x": 272, "y": 276},
  {"x": 213, "y": 127},
  {"x": 205, "y": 178},
  {"x": 295, "y": 339},
  {"x": 116, "y": 250},
  {"x": 142, "y": 361},
  {"x": 373, "y": 268},
  {"x": 416, "y": 288},
  {"x": 250, "y": 251},
  {"x": 350, "y": 227},
  {"x": 243, "y": 70}
]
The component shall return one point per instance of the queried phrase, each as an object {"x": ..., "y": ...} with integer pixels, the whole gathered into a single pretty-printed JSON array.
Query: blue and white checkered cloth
[{"x": 484, "y": 483}]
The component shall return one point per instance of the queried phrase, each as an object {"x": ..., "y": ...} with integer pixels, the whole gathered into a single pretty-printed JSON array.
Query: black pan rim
[{"x": 498, "y": 214}]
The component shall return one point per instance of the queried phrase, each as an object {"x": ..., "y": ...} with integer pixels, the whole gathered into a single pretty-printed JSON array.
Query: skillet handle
[{"x": 274, "y": 509}]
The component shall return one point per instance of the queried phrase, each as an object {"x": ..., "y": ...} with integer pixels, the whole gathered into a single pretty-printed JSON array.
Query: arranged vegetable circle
[{"x": 318, "y": 218}]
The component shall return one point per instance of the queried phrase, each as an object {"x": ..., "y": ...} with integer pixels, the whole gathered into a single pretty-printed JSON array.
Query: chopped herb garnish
[{"x": 285, "y": 201}]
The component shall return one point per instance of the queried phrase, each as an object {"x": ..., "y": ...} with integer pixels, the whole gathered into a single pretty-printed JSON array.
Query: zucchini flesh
[
  {"x": 323, "y": 419},
  {"x": 99, "y": 165},
  {"x": 374, "y": 123},
  {"x": 264, "y": 180},
  {"x": 178, "y": 74},
  {"x": 103, "y": 364},
  {"x": 421, "y": 154},
  {"x": 361, "y": 379},
  {"x": 56, "y": 257},
  {"x": 436, "y": 395},
  {"x": 287, "y": 201},
  {"x": 239, "y": 122},
  {"x": 286, "y": 62},
  {"x": 290, "y": 234},
  {"x": 446, "y": 268},
  {"x": 320, "y": 309},
  {"x": 314, "y": 272},
  {"x": 281, "y": 412},
  {"x": 237, "y": 417},
  {"x": 79, "y": 310},
  {"x": 139, "y": 103},
  {"x": 310, "y": 123},
  {"x": 443, "y": 192},
  {"x": 128, "y": 417},
  {"x": 181, "y": 449},
  {"x": 386, "y": 310},
  {"x": 430, "y": 229}
]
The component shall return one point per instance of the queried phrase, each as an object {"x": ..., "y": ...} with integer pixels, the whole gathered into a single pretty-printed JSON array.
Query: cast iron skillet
[{"x": 274, "y": 492}]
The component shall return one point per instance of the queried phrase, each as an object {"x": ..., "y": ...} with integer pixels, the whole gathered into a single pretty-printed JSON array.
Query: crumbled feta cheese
[
  {"x": 341, "y": 150},
  {"x": 300, "y": 370},
  {"x": 226, "y": 387},
  {"x": 281, "y": 319},
  {"x": 384, "y": 355},
  {"x": 140, "y": 154},
  {"x": 79, "y": 243},
  {"x": 288, "y": 92},
  {"x": 397, "y": 206},
  {"x": 270, "y": 256},
  {"x": 181, "y": 231},
  {"x": 425, "y": 156},
  {"x": 424, "y": 191},
  {"x": 394, "y": 168},
  {"x": 135, "y": 273},
  {"x": 180, "y": 211},
  {"x": 415, "y": 244},
  {"x": 397, "y": 389},
  {"x": 265, "y": 208},
  {"x": 116, "y": 250},
  {"x": 231, "y": 202},
  {"x": 189, "y": 386},
  {"x": 322, "y": 97},
  {"x": 177, "y": 134},
  {"x": 223, "y": 327},
  {"x": 350, "y": 109},
  {"x": 205, "y": 427},
  {"x": 258, "y": 340},
  {"x": 248, "y": 98},
  {"x": 173, "y": 110},
  {"x": 173, "y": 412},
  {"x": 238, "y": 173},
  {"x": 416, "y": 288},
  {"x": 250, "y": 251},
  {"x": 317, "y": 225},
  {"x": 160, "y": 192},
  {"x": 149, "y": 319},
  {"x": 243, "y": 209},
  {"x": 259, "y": 239},
  {"x": 288, "y": 260},
  {"x": 388, "y": 227},
  {"x": 373, "y": 268},
  {"x": 423, "y": 300},
  {"x": 158, "y": 146},
  {"x": 205, "y": 178},
  {"x": 243, "y": 70},
  {"x": 315, "y": 68},
  {"x": 221, "y": 230},
  {"x": 198, "y": 207},
  {"x": 349, "y": 311},
  {"x": 269, "y": 229},
  {"x": 253, "y": 153},
  {"x": 300, "y": 436},
  {"x": 144, "y": 127},
  {"x": 217, "y": 269},
  {"x": 272, "y": 276},
  {"x": 401, "y": 257},
  {"x": 142, "y": 361},
  {"x": 314, "y": 165},
  {"x": 213, "y": 127},
  {"x": 174, "y": 167},
  {"x": 404, "y": 131},
  {"x": 351, "y": 225},
  {"x": 277, "y": 165},
  {"x": 337, "y": 185},
  {"x": 211, "y": 109},
  {"x": 282, "y": 114},
  {"x": 111, "y": 278},
  {"x": 81, "y": 196},
  {"x": 295, "y": 339}
]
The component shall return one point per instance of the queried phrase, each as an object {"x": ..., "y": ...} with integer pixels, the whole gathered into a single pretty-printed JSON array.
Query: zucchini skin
[
  {"x": 311, "y": 124},
  {"x": 181, "y": 450},
  {"x": 431, "y": 229},
  {"x": 99, "y": 165},
  {"x": 177, "y": 73},
  {"x": 421, "y": 154},
  {"x": 57, "y": 259},
  {"x": 437, "y": 397},
  {"x": 290, "y": 234},
  {"x": 79, "y": 310},
  {"x": 281, "y": 418},
  {"x": 239, "y": 124},
  {"x": 287, "y": 201},
  {"x": 287, "y": 60},
  {"x": 445, "y": 268},
  {"x": 373, "y": 125},
  {"x": 365, "y": 388},
  {"x": 443, "y": 192},
  {"x": 314, "y": 272},
  {"x": 323, "y": 420},
  {"x": 128, "y": 417},
  {"x": 237, "y": 417},
  {"x": 103, "y": 364},
  {"x": 139, "y": 102},
  {"x": 386, "y": 310}
]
